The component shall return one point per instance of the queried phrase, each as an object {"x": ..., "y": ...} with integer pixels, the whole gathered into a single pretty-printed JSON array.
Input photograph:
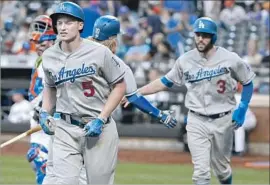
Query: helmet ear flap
[{"x": 214, "y": 39}]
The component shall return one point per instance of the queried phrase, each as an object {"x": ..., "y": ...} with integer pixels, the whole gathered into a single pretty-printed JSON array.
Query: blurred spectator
[
  {"x": 20, "y": 111},
  {"x": 21, "y": 37},
  {"x": 212, "y": 9},
  {"x": 12, "y": 9},
  {"x": 187, "y": 21},
  {"x": 265, "y": 12},
  {"x": 139, "y": 51},
  {"x": 127, "y": 20},
  {"x": 172, "y": 29},
  {"x": 35, "y": 8},
  {"x": 156, "y": 39},
  {"x": 28, "y": 48},
  {"x": 179, "y": 6},
  {"x": 265, "y": 51},
  {"x": 105, "y": 7},
  {"x": 164, "y": 58},
  {"x": 153, "y": 21},
  {"x": 256, "y": 13},
  {"x": 264, "y": 87},
  {"x": 8, "y": 24},
  {"x": 232, "y": 14},
  {"x": 125, "y": 42},
  {"x": 253, "y": 56},
  {"x": 266, "y": 61}
]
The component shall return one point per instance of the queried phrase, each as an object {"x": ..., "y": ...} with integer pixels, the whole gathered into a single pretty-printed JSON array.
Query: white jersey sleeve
[
  {"x": 131, "y": 85},
  {"x": 113, "y": 70},
  {"x": 241, "y": 71},
  {"x": 48, "y": 77},
  {"x": 176, "y": 73}
]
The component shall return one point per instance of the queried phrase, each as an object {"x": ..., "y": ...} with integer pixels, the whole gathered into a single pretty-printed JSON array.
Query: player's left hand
[
  {"x": 94, "y": 127},
  {"x": 239, "y": 115},
  {"x": 167, "y": 118},
  {"x": 46, "y": 122}
]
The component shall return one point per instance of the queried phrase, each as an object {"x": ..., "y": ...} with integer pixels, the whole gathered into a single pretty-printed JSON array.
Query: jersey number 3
[
  {"x": 88, "y": 88},
  {"x": 221, "y": 86}
]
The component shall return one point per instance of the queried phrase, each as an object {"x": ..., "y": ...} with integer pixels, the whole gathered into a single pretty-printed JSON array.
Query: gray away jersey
[
  {"x": 131, "y": 85},
  {"x": 211, "y": 84},
  {"x": 82, "y": 79}
]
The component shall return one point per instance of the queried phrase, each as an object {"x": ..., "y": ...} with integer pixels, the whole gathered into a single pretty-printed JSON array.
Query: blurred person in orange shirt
[{"x": 28, "y": 48}]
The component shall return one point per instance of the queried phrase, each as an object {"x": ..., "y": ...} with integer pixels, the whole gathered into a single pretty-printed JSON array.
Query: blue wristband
[
  {"x": 166, "y": 82},
  {"x": 144, "y": 105},
  {"x": 247, "y": 93}
]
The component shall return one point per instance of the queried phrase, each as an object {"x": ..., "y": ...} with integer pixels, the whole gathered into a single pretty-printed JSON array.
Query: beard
[{"x": 206, "y": 48}]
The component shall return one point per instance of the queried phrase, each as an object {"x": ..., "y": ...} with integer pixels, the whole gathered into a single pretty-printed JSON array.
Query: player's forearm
[
  {"x": 113, "y": 100},
  {"x": 36, "y": 102},
  {"x": 49, "y": 99},
  {"x": 153, "y": 87}
]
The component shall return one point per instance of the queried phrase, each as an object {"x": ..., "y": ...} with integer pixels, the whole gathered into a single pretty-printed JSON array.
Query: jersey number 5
[
  {"x": 88, "y": 88},
  {"x": 221, "y": 86}
]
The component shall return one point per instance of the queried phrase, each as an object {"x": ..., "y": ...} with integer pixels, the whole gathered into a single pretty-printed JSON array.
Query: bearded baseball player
[
  {"x": 85, "y": 83},
  {"x": 42, "y": 34},
  {"x": 105, "y": 31},
  {"x": 210, "y": 74}
]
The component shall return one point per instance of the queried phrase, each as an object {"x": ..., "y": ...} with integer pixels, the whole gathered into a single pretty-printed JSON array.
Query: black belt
[
  {"x": 80, "y": 123},
  {"x": 213, "y": 116},
  {"x": 68, "y": 118}
]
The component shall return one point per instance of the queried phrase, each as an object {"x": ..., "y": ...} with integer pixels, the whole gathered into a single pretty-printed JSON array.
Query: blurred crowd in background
[{"x": 157, "y": 32}]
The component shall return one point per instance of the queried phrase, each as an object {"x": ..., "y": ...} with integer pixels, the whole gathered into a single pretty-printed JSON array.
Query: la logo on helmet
[
  {"x": 201, "y": 25},
  {"x": 63, "y": 7}
]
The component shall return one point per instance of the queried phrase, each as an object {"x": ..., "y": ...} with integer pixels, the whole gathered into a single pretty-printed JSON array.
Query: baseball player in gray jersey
[
  {"x": 105, "y": 31},
  {"x": 210, "y": 74},
  {"x": 77, "y": 74}
]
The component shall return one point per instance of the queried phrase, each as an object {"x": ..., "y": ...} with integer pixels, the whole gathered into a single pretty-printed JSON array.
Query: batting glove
[
  {"x": 94, "y": 127},
  {"x": 239, "y": 115},
  {"x": 167, "y": 119},
  {"x": 46, "y": 122}
]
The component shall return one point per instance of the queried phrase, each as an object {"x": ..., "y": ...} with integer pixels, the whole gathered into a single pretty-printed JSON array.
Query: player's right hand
[
  {"x": 167, "y": 118},
  {"x": 94, "y": 127},
  {"x": 124, "y": 102},
  {"x": 239, "y": 115},
  {"x": 46, "y": 122}
]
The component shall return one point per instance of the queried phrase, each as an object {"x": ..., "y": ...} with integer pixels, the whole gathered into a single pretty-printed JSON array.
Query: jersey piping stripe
[
  {"x": 249, "y": 80},
  {"x": 117, "y": 79}
]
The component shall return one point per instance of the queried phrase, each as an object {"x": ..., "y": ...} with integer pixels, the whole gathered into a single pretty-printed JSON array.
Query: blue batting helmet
[
  {"x": 67, "y": 8},
  {"x": 106, "y": 27},
  {"x": 206, "y": 25}
]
